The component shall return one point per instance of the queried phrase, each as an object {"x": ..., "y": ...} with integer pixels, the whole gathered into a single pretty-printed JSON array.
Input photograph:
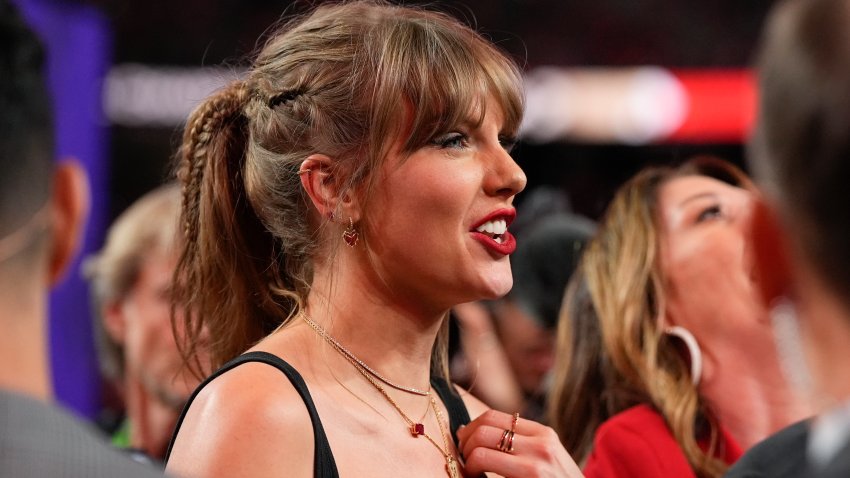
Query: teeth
[{"x": 497, "y": 227}]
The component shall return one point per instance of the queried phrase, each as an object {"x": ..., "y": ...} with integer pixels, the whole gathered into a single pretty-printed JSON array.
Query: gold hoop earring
[{"x": 350, "y": 234}]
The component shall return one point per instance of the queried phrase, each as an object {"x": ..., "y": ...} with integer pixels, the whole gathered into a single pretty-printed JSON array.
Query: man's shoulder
[
  {"x": 37, "y": 440},
  {"x": 782, "y": 454},
  {"x": 839, "y": 467}
]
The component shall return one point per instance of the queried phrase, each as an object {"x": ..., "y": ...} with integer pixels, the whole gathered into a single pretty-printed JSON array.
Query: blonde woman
[
  {"x": 338, "y": 201},
  {"x": 666, "y": 362}
]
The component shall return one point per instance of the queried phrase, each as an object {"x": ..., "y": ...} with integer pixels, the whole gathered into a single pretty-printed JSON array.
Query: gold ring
[
  {"x": 503, "y": 441},
  {"x": 506, "y": 444}
]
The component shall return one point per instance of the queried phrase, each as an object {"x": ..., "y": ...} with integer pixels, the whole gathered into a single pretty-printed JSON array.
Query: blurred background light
[
  {"x": 590, "y": 105},
  {"x": 138, "y": 95}
]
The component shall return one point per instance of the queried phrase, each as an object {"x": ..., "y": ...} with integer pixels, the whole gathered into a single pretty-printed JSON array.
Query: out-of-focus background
[
  {"x": 612, "y": 85},
  {"x": 585, "y": 131}
]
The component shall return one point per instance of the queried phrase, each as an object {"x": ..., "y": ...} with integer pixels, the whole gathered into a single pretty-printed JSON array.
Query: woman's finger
[
  {"x": 490, "y": 437},
  {"x": 484, "y": 459},
  {"x": 497, "y": 419}
]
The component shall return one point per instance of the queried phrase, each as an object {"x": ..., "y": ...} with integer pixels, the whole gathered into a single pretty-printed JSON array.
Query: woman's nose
[{"x": 506, "y": 178}]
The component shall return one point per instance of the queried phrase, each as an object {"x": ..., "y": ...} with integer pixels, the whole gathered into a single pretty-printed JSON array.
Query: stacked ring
[{"x": 506, "y": 444}]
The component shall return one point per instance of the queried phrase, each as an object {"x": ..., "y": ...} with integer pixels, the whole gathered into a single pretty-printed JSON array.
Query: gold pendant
[{"x": 451, "y": 467}]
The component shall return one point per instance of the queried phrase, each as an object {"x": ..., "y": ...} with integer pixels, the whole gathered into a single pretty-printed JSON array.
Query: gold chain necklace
[
  {"x": 338, "y": 346},
  {"x": 415, "y": 429}
]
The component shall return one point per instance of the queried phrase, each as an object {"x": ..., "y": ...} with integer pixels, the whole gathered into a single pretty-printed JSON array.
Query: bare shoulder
[
  {"x": 250, "y": 421},
  {"x": 474, "y": 406}
]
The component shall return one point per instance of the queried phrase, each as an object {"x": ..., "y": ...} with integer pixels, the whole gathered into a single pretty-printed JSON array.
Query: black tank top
[{"x": 324, "y": 465}]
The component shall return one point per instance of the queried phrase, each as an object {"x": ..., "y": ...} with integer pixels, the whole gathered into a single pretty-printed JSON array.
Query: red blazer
[{"x": 637, "y": 443}]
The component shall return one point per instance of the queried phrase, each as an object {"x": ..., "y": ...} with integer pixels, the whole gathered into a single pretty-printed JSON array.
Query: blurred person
[
  {"x": 672, "y": 370},
  {"x": 43, "y": 209},
  {"x": 131, "y": 286},
  {"x": 800, "y": 154},
  {"x": 337, "y": 202},
  {"x": 508, "y": 345}
]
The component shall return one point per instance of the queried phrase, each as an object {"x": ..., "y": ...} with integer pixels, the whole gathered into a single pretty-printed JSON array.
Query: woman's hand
[{"x": 496, "y": 442}]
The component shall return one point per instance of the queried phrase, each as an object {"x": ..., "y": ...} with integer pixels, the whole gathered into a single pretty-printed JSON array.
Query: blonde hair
[
  {"x": 334, "y": 82},
  {"x": 148, "y": 226},
  {"x": 612, "y": 352}
]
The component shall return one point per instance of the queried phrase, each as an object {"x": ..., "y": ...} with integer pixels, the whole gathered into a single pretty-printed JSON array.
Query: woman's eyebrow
[{"x": 709, "y": 195}]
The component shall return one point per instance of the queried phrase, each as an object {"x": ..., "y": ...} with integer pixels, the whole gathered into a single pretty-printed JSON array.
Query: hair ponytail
[{"x": 228, "y": 258}]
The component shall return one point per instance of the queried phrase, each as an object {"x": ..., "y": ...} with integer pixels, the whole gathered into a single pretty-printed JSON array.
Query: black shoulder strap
[
  {"x": 324, "y": 465},
  {"x": 458, "y": 414}
]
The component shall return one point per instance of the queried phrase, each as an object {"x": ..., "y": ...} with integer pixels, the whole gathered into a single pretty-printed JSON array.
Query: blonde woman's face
[
  {"x": 706, "y": 259},
  {"x": 436, "y": 223}
]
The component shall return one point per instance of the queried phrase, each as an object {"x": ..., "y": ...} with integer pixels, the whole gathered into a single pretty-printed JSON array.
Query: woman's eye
[
  {"x": 507, "y": 142},
  {"x": 710, "y": 212},
  {"x": 452, "y": 141}
]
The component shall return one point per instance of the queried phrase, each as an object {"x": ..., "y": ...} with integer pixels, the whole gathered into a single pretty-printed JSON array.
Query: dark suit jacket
[
  {"x": 839, "y": 467},
  {"x": 38, "y": 441},
  {"x": 781, "y": 455}
]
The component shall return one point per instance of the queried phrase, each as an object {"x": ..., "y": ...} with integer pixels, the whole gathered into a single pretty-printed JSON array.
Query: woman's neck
[
  {"x": 389, "y": 336},
  {"x": 751, "y": 397}
]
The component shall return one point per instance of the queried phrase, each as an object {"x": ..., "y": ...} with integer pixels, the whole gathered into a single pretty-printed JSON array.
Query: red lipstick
[{"x": 506, "y": 243}]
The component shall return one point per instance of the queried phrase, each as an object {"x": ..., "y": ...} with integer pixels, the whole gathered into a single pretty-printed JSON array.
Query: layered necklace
[{"x": 415, "y": 428}]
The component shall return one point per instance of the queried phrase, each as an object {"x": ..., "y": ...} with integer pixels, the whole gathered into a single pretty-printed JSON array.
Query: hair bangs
[{"x": 445, "y": 78}]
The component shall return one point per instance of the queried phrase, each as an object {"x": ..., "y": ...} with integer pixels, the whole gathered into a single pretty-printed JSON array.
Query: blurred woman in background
[
  {"x": 666, "y": 361},
  {"x": 131, "y": 288}
]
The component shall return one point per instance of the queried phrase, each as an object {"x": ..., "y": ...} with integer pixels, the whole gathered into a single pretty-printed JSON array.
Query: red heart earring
[{"x": 350, "y": 234}]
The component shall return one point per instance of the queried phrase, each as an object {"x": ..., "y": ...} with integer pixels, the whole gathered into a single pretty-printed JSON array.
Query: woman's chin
[{"x": 498, "y": 289}]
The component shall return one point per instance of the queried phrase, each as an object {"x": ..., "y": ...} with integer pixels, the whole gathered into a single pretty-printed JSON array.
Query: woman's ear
[
  {"x": 114, "y": 321},
  {"x": 771, "y": 260},
  {"x": 325, "y": 187}
]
